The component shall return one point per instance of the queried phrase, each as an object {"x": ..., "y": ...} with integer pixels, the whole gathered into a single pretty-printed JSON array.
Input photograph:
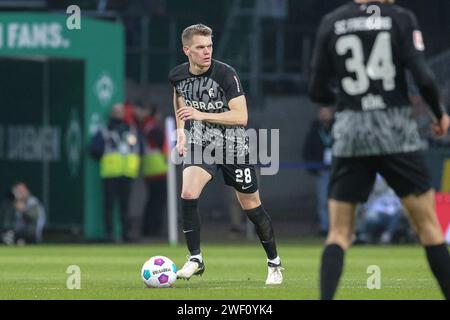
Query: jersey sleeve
[
  {"x": 413, "y": 49},
  {"x": 171, "y": 78},
  {"x": 232, "y": 85},
  {"x": 413, "y": 46},
  {"x": 177, "y": 74},
  {"x": 319, "y": 89}
]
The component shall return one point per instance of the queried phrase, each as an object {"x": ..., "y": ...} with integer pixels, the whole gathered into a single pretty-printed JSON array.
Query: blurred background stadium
[{"x": 58, "y": 85}]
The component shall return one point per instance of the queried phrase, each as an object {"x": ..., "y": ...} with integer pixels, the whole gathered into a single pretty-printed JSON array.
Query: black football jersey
[
  {"x": 211, "y": 92},
  {"x": 366, "y": 49}
]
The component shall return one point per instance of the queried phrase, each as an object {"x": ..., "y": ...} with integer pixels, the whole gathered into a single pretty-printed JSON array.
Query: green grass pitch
[{"x": 233, "y": 271}]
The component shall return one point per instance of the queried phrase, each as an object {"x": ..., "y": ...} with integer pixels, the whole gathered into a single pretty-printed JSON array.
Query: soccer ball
[{"x": 159, "y": 272}]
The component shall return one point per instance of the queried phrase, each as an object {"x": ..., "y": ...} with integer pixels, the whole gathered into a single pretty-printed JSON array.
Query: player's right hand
[
  {"x": 440, "y": 129},
  {"x": 181, "y": 143}
]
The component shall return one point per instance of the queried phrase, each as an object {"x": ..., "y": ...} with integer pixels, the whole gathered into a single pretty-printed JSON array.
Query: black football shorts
[
  {"x": 352, "y": 179},
  {"x": 241, "y": 176}
]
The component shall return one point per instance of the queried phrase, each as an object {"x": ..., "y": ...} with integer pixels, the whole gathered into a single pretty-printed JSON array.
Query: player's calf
[
  {"x": 331, "y": 270},
  {"x": 264, "y": 230},
  {"x": 191, "y": 225}
]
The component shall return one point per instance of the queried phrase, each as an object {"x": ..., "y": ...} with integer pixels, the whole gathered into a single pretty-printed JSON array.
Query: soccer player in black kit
[
  {"x": 367, "y": 46},
  {"x": 209, "y": 97}
]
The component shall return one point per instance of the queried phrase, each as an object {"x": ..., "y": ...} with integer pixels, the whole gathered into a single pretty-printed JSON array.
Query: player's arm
[
  {"x": 425, "y": 82},
  {"x": 319, "y": 89},
  {"x": 178, "y": 103},
  {"x": 413, "y": 52},
  {"x": 238, "y": 114}
]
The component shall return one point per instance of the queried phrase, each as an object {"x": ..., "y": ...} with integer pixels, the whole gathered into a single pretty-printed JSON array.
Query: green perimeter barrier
[{"x": 56, "y": 87}]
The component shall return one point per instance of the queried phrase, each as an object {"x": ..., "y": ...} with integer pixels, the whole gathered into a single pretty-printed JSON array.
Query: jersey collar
[{"x": 204, "y": 74}]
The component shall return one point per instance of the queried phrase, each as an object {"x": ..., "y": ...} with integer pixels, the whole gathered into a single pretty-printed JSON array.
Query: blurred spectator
[
  {"x": 118, "y": 147},
  {"x": 382, "y": 217},
  {"x": 6, "y": 209},
  {"x": 23, "y": 216},
  {"x": 155, "y": 169},
  {"x": 317, "y": 150},
  {"x": 129, "y": 114}
]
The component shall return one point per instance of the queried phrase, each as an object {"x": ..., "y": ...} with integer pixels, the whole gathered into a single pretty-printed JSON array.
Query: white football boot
[
  {"x": 275, "y": 275},
  {"x": 192, "y": 267}
]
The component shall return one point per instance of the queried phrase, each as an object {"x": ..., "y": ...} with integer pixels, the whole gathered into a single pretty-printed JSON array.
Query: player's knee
[
  {"x": 428, "y": 227},
  {"x": 250, "y": 203},
  {"x": 339, "y": 238},
  {"x": 430, "y": 234},
  {"x": 189, "y": 195}
]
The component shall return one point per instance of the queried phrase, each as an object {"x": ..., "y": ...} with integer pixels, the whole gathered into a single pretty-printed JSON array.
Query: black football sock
[
  {"x": 439, "y": 260},
  {"x": 331, "y": 270},
  {"x": 264, "y": 230},
  {"x": 191, "y": 225}
]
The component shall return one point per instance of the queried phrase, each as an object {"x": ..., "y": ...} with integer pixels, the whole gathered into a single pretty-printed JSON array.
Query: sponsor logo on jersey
[{"x": 205, "y": 106}]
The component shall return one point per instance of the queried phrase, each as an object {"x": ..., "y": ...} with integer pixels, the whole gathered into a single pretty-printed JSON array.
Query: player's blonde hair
[{"x": 195, "y": 30}]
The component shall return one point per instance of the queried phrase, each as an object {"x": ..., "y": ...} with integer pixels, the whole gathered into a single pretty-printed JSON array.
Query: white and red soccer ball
[{"x": 159, "y": 272}]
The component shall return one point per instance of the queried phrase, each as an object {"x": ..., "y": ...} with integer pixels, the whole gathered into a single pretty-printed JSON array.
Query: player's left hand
[
  {"x": 440, "y": 129},
  {"x": 189, "y": 113}
]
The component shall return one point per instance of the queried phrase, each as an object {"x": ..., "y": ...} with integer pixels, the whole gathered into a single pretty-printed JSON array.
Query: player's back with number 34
[
  {"x": 367, "y": 46},
  {"x": 369, "y": 57}
]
